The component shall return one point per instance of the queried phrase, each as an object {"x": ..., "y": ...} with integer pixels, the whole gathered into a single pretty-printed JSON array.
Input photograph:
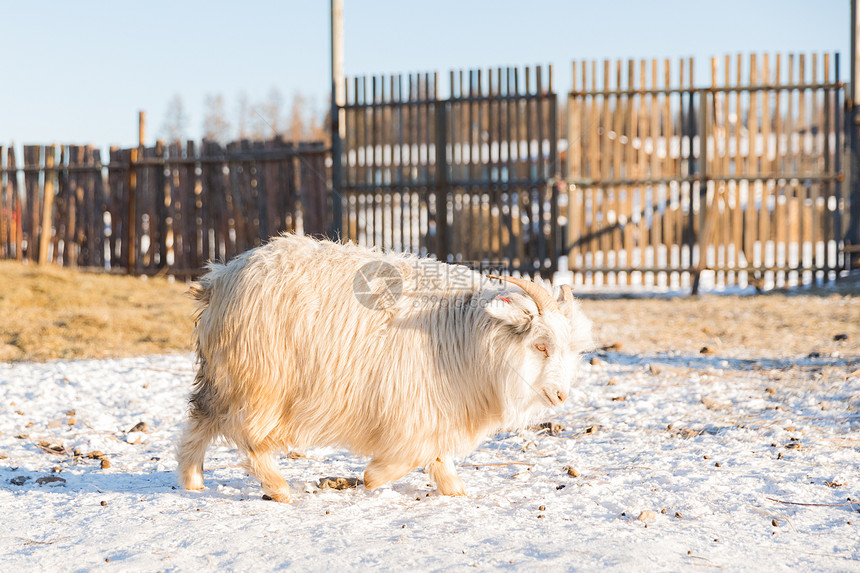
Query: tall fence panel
[
  {"x": 742, "y": 178},
  {"x": 775, "y": 133},
  {"x": 469, "y": 178},
  {"x": 502, "y": 167},
  {"x": 389, "y": 164}
]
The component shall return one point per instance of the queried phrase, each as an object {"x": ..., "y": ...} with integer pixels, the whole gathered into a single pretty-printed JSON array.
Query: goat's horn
[
  {"x": 566, "y": 294},
  {"x": 543, "y": 299}
]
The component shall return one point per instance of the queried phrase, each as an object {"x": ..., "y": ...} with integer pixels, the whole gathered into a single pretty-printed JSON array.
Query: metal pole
[
  {"x": 855, "y": 56},
  {"x": 852, "y": 237},
  {"x": 338, "y": 100}
]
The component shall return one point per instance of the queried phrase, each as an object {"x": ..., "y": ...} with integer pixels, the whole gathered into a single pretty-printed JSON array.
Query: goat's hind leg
[
  {"x": 381, "y": 471},
  {"x": 196, "y": 438}
]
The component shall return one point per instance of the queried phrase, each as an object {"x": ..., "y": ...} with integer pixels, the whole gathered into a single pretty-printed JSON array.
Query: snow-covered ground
[{"x": 712, "y": 441}]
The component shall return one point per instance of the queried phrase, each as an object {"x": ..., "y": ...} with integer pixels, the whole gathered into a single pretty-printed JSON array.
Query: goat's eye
[{"x": 542, "y": 348}]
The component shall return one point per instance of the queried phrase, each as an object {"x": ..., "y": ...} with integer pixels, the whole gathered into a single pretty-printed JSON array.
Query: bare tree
[
  {"x": 270, "y": 111},
  {"x": 216, "y": 127},
  {"x": 298, "y": 125},
  {"x": 175, "y": 124},
  {"x": 267, "y": 118},
  {"x": 306, "y": 121},
  {"x": 319, "y": 127},
  {"x": 243, "y": 116}
]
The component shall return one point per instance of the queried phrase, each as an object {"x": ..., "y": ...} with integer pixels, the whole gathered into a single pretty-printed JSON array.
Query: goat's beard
[{"x": 524, "y": 405}]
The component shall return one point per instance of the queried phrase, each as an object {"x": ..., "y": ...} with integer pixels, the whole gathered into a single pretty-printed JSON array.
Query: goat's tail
[
  {"x": 201, "y": 291},
  {"x": 202, "y": 395}
]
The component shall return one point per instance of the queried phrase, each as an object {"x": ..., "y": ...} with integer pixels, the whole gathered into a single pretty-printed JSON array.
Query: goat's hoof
[
  {"x": 451, "y": 485},
  {"x": 192, "y": 483},
  {"x": 279, "y": 497}
]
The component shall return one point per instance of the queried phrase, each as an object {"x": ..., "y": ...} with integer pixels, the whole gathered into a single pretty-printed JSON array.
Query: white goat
[{"x": 409, "y": 361}]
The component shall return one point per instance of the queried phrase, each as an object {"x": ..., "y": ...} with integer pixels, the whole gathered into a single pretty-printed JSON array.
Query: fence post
[
  {"x": 16, "y": 231},
  {"x": 161, "y": 210},
  {"x": 5, "y": 214},
  {"x": 705, "y": 224},
  {"x": 555, "y": 176},
  {"x": 441, "y": 177},
  {"x": 47, "y": 206},
  {"x": 131, "y": 225},
  {"x": 131, "y": 216}
]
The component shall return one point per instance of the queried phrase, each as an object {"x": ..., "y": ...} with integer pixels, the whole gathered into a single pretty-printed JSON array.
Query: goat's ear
[
  {"x": 568, "y": 309},
  {"x": 581, "y": 332},
  {"x": 514, "y": 310},
  {"x": 569, "y": 306}
]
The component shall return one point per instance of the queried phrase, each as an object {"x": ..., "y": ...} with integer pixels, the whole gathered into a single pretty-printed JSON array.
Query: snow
[{"x": 645, "y": 433}]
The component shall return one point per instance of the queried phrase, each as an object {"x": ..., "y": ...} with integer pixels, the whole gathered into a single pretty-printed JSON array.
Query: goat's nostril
[{"x": 561, "y": 395}]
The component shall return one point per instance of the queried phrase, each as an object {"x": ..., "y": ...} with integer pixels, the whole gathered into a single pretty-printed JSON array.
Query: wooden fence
[
  {"x": 742, "y": 177},
  {"x": 466, "y": 178},
  {"x": 169, "y": 208},
  {"x": 658, "y": 180}
]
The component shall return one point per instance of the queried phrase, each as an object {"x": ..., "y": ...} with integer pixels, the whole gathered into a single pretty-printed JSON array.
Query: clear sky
[{"x": 77, "y": 72}]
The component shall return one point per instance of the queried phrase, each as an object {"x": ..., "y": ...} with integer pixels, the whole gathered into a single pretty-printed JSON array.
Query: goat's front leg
[
  {"x": 442, "y": 471},
  {"x": 261, "y": 465}
]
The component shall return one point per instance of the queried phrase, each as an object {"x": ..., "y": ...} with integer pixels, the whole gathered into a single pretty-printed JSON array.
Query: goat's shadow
[
  {"x": 78, "y": 479},
  {"x": 24, "y": 479},
  {"x": 705, "y": 362}
]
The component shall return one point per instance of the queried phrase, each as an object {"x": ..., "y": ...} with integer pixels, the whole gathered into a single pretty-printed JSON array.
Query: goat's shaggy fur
[{"x": 289, "y": 356}]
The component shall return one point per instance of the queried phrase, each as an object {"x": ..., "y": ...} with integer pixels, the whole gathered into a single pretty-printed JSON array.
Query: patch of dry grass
[
  {"x": 49, "y": 312},
  {"x": 768, "y": 326}
]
